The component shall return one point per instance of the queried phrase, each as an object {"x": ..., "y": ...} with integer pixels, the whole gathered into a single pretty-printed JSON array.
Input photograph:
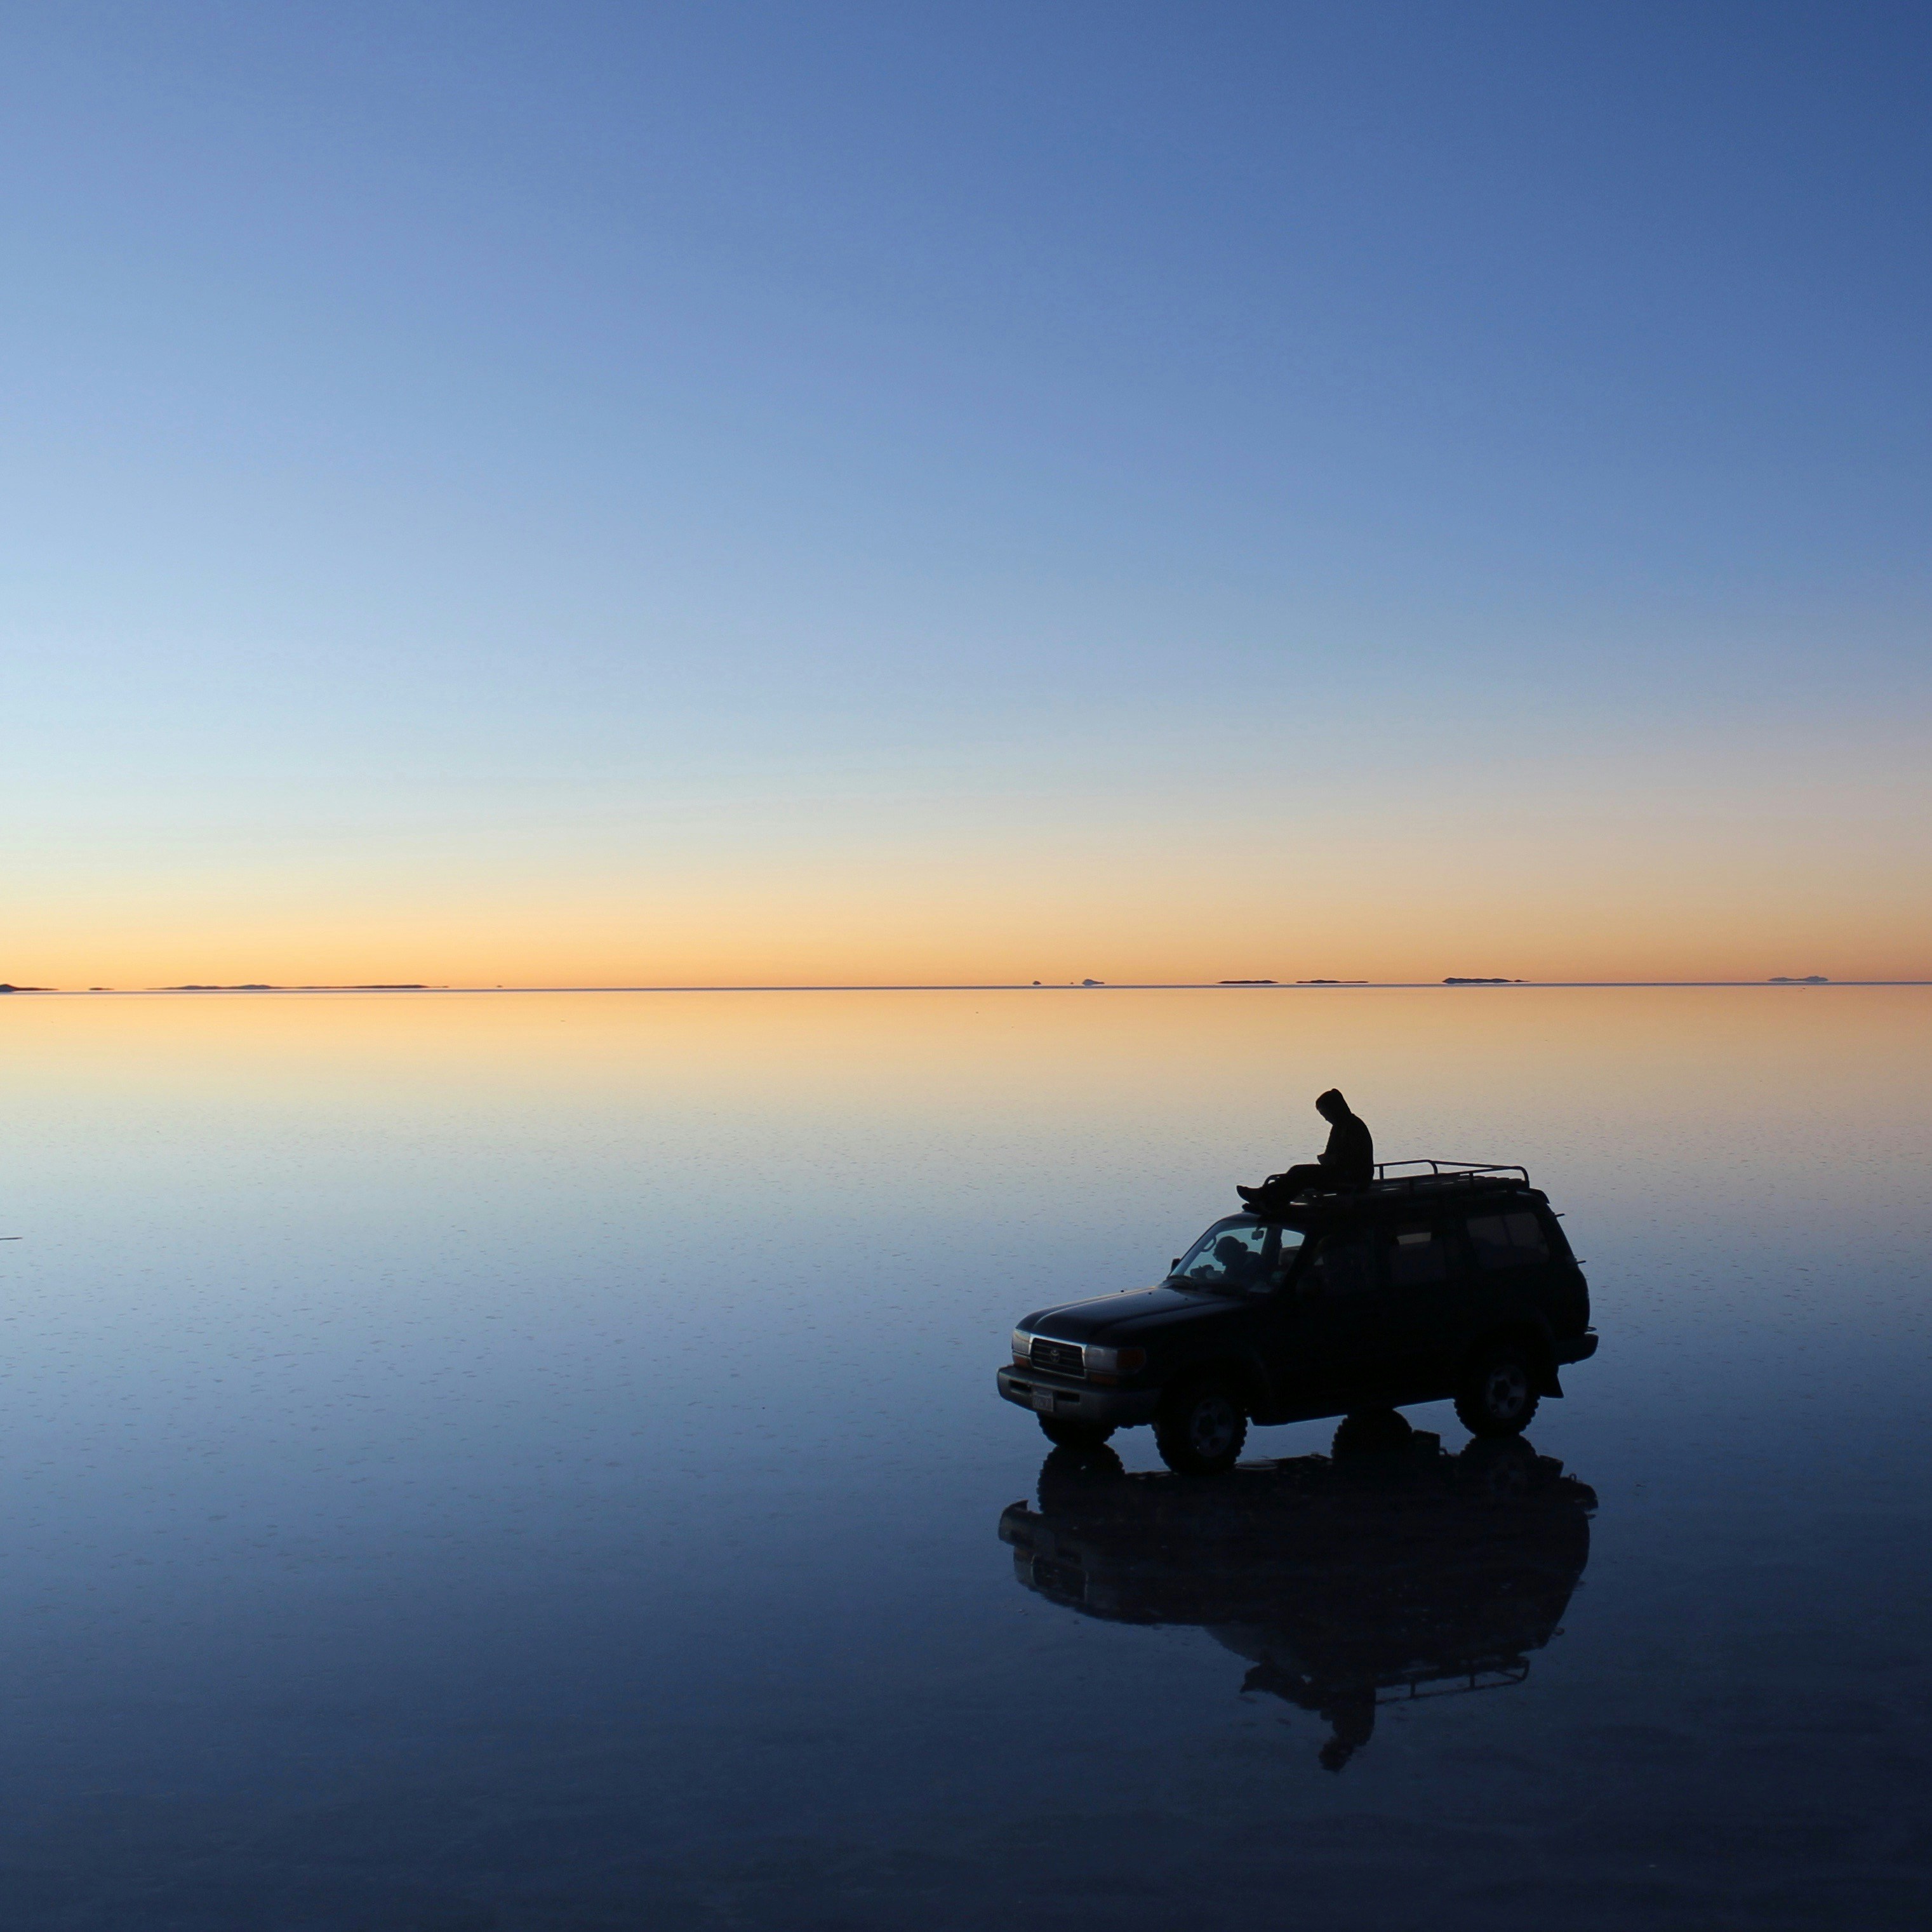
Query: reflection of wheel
[
  {"x": 1200, "y": 1427},
  {"x": 1073, "y": 1434},
  {"x": 1069, "y": 1477},
  {"x": 1364, "y": 1431},
  {"x": 1503, "y": 1469},
  {"x": 1498, "y": 1395}
]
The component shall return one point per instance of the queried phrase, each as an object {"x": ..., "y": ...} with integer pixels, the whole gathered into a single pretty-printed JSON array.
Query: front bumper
[{"x": 1077, "y": 1402}]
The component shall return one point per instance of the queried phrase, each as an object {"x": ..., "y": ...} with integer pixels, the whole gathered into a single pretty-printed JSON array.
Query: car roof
[{"x": 1382, "y": 1199}]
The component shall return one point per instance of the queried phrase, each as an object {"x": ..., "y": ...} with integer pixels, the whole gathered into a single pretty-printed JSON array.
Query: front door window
[{"x": 1240, "y": 1257}]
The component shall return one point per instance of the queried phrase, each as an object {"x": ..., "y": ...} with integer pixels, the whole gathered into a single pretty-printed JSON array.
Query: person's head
[{"x": 1331, "y": 1106}]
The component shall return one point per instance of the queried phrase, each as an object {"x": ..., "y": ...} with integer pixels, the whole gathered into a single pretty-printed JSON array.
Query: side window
[
  {"x": 1342, "y": 1265},
  {"x": 1417, "y": 1258},
  {"x": 1286, "y": 1254},
  {"x": 1526, "y": 1237},
  {"x": 1507, "y": 1241}
]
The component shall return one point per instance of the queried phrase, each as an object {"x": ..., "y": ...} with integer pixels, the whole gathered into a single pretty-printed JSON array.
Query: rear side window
[
  {"x": 1508, "y": 1240},
  {"x": 1417, "y": 1257}
]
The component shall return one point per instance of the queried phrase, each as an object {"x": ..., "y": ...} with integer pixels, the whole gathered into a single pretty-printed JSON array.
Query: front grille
[{"x": 1059, "y": 1358}]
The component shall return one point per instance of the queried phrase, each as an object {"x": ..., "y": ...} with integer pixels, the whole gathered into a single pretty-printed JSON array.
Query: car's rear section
[{"x": 1526, "y": 1312}]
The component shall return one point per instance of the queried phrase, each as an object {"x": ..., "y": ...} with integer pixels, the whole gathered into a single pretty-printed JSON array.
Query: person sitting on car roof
[{"x": 1348, "y": 1160}]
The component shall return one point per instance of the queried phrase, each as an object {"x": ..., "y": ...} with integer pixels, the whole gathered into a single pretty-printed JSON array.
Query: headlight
[
  {"x": 1115, "y": 1361},
  {"x": 1022, "y": 1349}
]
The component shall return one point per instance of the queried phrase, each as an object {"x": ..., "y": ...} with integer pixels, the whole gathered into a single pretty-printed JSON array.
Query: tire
[
  {"x": 1073, "y": 1434},
  {"x": 1498, "y": 1395},
  {"x": 1200, "y": 1427}
]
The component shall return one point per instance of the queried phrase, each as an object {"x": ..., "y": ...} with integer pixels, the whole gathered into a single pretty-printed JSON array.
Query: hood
[{"x": 1133, "y": 1308}]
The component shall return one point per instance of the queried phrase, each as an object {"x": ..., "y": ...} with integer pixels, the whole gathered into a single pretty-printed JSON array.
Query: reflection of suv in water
[
  {"x": 1454, "y": 1281},
  {"x": 1349, "y": 1584}
]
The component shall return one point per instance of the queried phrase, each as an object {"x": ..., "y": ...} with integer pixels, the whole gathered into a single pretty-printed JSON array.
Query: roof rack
[
  {"x": 1432, "y": 1180},
  {"x": 1445, "y": 1175}
]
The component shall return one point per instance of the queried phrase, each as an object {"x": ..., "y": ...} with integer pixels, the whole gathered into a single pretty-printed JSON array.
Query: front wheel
[
  {"x": 1498, "y": 1395},
  {"x": 1201, "y": 1428},
  {"x": 1073, "y": 1434}
]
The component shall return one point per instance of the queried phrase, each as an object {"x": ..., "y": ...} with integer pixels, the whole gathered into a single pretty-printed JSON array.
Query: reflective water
[{"x": 531, "y": 1462}]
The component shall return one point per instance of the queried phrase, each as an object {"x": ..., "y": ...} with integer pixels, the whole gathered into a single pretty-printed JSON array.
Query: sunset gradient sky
[{"x": 749, "y": 494}]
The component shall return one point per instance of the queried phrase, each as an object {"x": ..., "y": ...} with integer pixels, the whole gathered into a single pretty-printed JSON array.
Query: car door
[
  {"x": 1424, "y": 1268},
  {"x": 1338, "y": 1317},
  {"x": 1277, "y": 1326}
]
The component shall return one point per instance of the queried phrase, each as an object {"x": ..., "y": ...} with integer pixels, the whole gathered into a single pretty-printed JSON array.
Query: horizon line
[{"x": 1459, "y": 985}]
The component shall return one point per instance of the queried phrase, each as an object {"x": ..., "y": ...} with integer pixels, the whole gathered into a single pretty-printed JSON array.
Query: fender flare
[
  {"x": 1534, "y": 1336},
  {"x": 1243, "y": 1369}
]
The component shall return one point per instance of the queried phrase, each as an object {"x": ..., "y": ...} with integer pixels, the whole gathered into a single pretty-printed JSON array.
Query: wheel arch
[
  {"x": 1243, "y": 1372},
  {"x": 1532, "y": 1336}
]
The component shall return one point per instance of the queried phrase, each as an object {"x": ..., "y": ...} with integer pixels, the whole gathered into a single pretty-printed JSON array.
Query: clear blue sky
[{"x": 827, "y": 491}]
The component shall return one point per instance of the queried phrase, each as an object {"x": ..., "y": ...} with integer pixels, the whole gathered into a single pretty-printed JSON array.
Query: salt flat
[{"x": 533, "y": 1461}]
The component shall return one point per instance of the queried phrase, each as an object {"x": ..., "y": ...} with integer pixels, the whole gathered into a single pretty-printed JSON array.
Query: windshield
[{"x": 1239, "y": 1256}]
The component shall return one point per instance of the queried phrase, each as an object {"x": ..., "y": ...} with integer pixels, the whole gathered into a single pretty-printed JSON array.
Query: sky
[{"x": 831, "y": 493}]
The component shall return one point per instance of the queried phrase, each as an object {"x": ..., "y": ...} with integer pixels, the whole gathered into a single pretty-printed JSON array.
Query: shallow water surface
[{"x": 531, "y": 1461}]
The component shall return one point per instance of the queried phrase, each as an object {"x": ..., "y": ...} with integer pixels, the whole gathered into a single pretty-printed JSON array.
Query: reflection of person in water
[
  {"x": 1348, "y": 1709},
  {"x": 1352, "y": 1715},
  {"x": 1348, "y": 1160},
  {"x": 1383, "y": 1574}
]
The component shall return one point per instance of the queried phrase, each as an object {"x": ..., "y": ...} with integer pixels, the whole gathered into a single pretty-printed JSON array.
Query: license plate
[{"x": 1043, "y": 1400}]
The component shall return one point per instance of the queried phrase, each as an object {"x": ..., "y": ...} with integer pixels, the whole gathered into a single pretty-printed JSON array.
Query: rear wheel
[
  {"x": 1201, "y": 1428},
  {"x": 1073, "y": 1434},
  {"x": 1499, "y": 1394}
]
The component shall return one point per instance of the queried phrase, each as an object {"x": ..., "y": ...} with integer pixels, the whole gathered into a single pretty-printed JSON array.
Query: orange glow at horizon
[{"x": 1166, "y": 930}]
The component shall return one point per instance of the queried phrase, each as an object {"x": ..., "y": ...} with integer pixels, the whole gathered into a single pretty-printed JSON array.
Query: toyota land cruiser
[{"x": 1438, "y": 1279}]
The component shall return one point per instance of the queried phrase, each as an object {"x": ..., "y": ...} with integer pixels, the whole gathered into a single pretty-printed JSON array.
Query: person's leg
[
  {"x": 1305, "y": 1175},
  {"x": 1281, "y": 1188}
]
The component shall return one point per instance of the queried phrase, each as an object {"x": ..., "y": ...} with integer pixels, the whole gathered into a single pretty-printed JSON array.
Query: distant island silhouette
[
  {"x": 259, "y": 986},
  {"x": 1453, "y": 981},
  {"x": 1809, "y": 980},
  {"x": 1249, "y": 982},
  {"x": 6, "y": 987}
]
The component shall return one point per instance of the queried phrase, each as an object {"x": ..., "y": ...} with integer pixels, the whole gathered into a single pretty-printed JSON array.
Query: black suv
[{"x": 1450, "y": 1280}]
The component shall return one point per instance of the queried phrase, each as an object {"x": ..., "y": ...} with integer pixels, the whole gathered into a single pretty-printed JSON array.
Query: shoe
[{"x": 1250, "y": 1195}]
